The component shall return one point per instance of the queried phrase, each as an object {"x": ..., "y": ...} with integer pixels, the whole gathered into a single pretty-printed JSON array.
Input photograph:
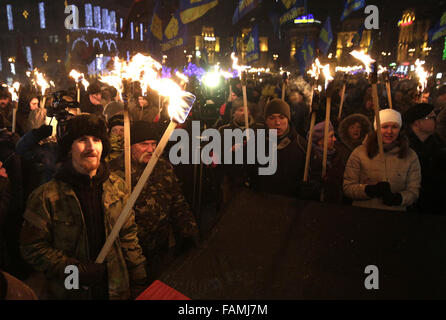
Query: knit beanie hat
[
  {"x": 84, "y": 125},
  {"x": 319, "y": 131},
  {"x": 142, "y": 130},
  {"x": 278, "y": 106},
  {"x": 389, "y": 115}
]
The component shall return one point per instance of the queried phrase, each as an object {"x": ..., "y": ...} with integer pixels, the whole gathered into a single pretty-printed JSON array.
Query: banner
[
  {"x": 252, "y": 47},
  {"x": 156, "y": 27},
  {"x": 305, "y": 55},
  {"x": 296, "y": 11},
  {"x": 192, "y": 10},
  {"x": 325, "y": 37},
  {"x": 174, "y": 34},
  {"x": 439, "y": 30},
  {"x": 244, "y": 7},
  {"x": 351, "y": 6}
]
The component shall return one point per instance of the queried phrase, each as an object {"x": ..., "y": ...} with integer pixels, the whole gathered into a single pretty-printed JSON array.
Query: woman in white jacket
[{"x": 392, "y": 183}]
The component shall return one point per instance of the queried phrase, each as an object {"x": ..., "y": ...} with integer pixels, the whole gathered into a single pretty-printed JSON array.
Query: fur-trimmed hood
[{"x": 366, "y": 128}]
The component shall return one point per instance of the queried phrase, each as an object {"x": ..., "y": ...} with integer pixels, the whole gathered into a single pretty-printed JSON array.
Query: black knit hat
[
  {"x": 93, "y": 88},
  {"x": 278, "y": 106},
  {"x": 84, "y": 125},
  {"x": 142, "y": 130},
  {"x": 419, "y": 111}
]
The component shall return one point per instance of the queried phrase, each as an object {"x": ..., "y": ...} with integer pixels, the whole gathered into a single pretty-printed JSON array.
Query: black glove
[
  {"x": 43, "y": 132},
  {"x": 91, "y": 273},
  {"x": 392, "y": 199},
  {"x": 377, "y": 190}
]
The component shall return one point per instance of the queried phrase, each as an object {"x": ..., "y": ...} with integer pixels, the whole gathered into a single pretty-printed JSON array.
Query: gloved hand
[
  {"x": 43, "y": 132},
  {"x": 392, "y": 199},
  {"x": 91, "y": 273},
  {"x": 377, "y": 190}
]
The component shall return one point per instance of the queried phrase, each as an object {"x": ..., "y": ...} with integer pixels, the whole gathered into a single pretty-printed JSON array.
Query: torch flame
[
  {"x": 316, "y": 69},
  {"x": 40, "y": 81},
  {"x": 145, "y": 70},
  {"x": 14, "y": 91},
  {"x": 422, "y": 74},
  {"x": 236, "y": 66},
  {"x": 79, "y": 77},
  {"x": 364, "y": 58}
]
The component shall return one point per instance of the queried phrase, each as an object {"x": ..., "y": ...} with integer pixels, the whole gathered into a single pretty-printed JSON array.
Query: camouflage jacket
[
  {"x": 54, "y": 233},
  {"x": 117, "y": 147},
  {"x": 161, "y": 211}
]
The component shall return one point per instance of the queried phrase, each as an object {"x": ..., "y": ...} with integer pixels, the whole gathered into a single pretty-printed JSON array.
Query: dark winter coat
[
  {"x": 432, "y": 156},
  {"x": 290, "y": 167}
]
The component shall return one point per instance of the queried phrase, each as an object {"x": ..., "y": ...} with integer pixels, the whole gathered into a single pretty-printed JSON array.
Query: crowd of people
[{"x": 62, "y": 191}]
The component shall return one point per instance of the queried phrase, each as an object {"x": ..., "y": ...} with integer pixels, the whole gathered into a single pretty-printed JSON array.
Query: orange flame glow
[{"x": 364, "y": 58}]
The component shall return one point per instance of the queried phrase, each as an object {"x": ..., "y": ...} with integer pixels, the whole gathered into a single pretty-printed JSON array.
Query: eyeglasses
[{"x": 430, "y": 117}]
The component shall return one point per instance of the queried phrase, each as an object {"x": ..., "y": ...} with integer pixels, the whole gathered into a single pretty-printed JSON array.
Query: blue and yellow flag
[
  {"x": 298, "y": 9},
  {"x": 252, "y": 46},
  {"x": 192, "y": 10},
  {"x": 356, "y": 41},
  {"x": 243, "y": 8},
  {"x": 156, "y": 27},
  {"x": 305, "y": 55},
  {"x": 351, "y": 6},
  {"x": 325, "y": 37},
  {"x": 174, "y": 34},
  {"x": 439, "y": 30}
]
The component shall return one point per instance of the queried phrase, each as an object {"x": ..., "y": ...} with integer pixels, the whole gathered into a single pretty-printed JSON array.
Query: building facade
[{"x": 56, "y": 36}]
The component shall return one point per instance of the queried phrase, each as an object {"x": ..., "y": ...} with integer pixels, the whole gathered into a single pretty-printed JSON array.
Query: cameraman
[{"x": 92, "y": 102}]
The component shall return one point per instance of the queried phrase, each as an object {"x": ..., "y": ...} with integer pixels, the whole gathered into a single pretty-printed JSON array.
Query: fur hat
[
  {"x": 142, "y": 130},
  {"x": 278, "y": 106},
  {"x": 84, "y": 125}
]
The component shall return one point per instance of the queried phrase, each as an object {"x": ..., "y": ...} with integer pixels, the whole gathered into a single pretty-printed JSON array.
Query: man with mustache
[
  {"x": 165, "y": 221},
  {"x": 68, "y": 219}
]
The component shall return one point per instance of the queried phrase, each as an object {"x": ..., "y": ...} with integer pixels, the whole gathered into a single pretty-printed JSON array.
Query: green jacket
[
  {"x": 54, "y": 233},
  {"x": 162, "y": 213}
]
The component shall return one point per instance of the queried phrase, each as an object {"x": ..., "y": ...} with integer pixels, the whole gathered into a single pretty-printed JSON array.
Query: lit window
[
  {"x": 9, "y": 14},
  {"x": 29, "y": 57},
  {"x": 105, "y": 20},
  {"x": 97, "y": 17},
  {"x": 42, "y": 15},
  {"x": 121, "y": 23},
  {"x": 141, "y": 31},
  {"x": 88, "y": 15},
  {"x": 132, "y": 35},
  {"x": 113, "y": 21}
]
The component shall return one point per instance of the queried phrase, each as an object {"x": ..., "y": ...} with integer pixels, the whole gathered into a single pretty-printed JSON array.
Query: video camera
[{"x": 59, "y": 106}]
